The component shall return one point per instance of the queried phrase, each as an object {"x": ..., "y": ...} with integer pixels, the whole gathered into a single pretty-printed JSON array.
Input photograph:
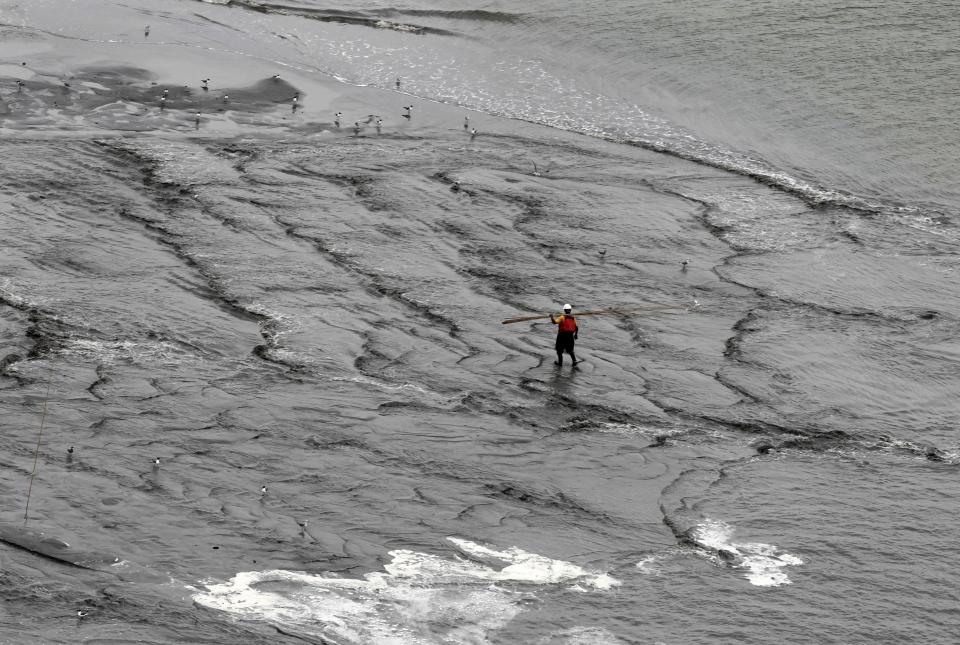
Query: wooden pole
[{"x": 598, "y": 312}]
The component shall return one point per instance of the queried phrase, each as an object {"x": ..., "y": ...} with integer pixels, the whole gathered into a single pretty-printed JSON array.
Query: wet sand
[
  {"x": 222, "y": 346},
  {"x": 154, "y": 87},
  {"x": 267, "y": 299}
]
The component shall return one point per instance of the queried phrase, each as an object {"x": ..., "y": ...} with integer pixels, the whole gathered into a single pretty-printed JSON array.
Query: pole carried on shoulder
[{"x": 599, "y": 312}]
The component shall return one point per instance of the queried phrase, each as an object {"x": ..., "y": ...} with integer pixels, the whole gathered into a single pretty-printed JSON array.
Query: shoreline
[{"x": 110, "y": 88}]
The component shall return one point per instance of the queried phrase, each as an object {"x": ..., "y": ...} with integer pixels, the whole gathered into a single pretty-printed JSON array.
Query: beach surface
[{"x": 256, "y": 388}]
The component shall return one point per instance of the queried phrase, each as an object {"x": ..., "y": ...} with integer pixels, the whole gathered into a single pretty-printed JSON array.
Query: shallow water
[{"x": 267, "y": 299}]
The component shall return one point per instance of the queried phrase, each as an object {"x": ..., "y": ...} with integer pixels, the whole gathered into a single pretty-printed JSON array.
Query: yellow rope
[{"x": 36, "y": 452}]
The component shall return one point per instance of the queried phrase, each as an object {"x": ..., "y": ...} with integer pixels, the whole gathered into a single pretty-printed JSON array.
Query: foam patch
[
  {"x": 420, "y": 598},
  {"x": 763, "y": 564}
]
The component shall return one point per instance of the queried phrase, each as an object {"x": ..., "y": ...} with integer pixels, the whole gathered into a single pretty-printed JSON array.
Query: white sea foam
[
  {"x": 650, "y": 564},
  {"x": 530, "y": 567},
  {"x": 763, "y": 564},
  {"x": 420, "y": 598},
  {"x": 276, "y": 324},
  {"x": 108, "y": 351},
  {"x": 631, "y": 429}
]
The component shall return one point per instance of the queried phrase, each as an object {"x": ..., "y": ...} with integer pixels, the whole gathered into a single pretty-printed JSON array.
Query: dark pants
[{"x": 565, "y": 342}]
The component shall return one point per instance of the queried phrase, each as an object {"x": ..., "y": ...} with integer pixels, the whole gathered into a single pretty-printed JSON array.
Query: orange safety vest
[{"x": 567, "y": 324}]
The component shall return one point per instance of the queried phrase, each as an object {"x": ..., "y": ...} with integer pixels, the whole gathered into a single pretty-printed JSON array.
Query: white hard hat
[{"x": 567, "y": 307}]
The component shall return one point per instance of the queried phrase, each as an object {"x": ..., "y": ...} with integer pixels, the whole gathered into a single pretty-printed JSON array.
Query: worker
[{"x": 566, "y": 334}]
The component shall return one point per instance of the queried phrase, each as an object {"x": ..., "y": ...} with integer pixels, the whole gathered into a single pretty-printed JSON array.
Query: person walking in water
[{"x": 566, "y": 334}]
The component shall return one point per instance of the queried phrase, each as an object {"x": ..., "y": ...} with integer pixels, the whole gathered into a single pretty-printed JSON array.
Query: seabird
[
  {"x": 303, "y": 526},
  {"x": 336, "y": 118},
  {"x": 398, "y": 82},
  {"x": 536, "y": 171},
  {"x": 407, "y": 108},
  {"x": 146, "y": 31},
  {"x": 19, "y": 85},
  {"x": 683, "y": 265},
  {"x": 156, "y": 462},
  {"x": 466, "y": 122},
  {"x": 603, "y": 252},
  {"x": 82, "y": 613},
  {"x": 226, "y": 98},
  {"x": 473, "y": 134},
  {"x": 205, "y": 81},
  {"x": 276, "y": 77},
  {"x": 263, "y": 490}
]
